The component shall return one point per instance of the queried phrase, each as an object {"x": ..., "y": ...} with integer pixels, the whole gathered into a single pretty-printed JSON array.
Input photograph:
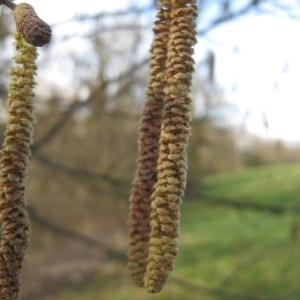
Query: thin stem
[{"x": 9, "y": 4}]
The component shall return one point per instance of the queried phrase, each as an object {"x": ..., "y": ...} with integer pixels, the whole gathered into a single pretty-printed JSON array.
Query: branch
[
  {"x": 8, "y": 4},
  {"x": 136, "y": 11},
  {"x": 81, "y": 173},
  {"x": 146, "y": 10},
  {"x": 66, "y": 116},
  {"x": 191, "y": 193},
  {"x": 56, "y": 128},
  {"x": 240, "y": 204},
  {"x": 86, "y": 17},
  {"x": 111, "y": 254},
  {"x": 229, "y": 17}
]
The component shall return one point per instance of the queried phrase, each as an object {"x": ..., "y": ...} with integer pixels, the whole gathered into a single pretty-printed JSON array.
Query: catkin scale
[{"x": 33, "y": 29}]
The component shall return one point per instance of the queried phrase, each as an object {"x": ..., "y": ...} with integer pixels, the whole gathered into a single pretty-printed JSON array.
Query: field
[{"x": 226, "y": 251}]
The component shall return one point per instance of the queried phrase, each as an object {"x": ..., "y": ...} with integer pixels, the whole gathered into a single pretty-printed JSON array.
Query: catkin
[
  {"x": 13, "y": 169},
  {"x": 146, "y": 174},
  {"x": 172, "y": 159},
  {"x": 33, "y": 29}
]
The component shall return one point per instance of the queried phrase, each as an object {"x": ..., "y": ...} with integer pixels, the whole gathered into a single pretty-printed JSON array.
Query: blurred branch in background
[
  {"x": 82, "y": 173},
  {"x": 242, "y": 204},
  {"x": 110, "y": 253},
  {"x": 228, "y": 14}
]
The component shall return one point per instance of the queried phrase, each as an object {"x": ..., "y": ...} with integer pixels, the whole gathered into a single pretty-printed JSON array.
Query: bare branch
[
  {"x": 118, "y": 13},
  {"x": 229, "y": 17},
  {"x": 224, "y": 18},
  {"x": 111, "y": 254},
  {"x": 8, "y": 4},
  {"x": 66, "y": 116},
  {"x": 241, "y": 204},
  {"x": 81, "y": 173}
]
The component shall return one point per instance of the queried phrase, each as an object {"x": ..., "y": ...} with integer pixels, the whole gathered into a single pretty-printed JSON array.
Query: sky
[
  {"x": 263, "y": 72},
  {"x": 56, "y": 11},
  {"x": 257, "y": 64}
]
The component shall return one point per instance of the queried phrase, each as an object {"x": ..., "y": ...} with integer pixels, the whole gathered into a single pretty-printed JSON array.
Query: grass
[
  {"x": 225, "y": 253},
  {"x": 275, "y": 184}
]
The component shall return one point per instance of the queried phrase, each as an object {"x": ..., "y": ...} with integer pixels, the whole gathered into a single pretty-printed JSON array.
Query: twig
[
  {"x": 241, "y": 204},
  {"x": 58, "y": 126},
  {"x": 65, "y": 117},
  {"x": 102, "y": 15},
  {"x": 223, "y": 19},
  {"x": 117, "y": 183},
  {"x": 8, "y": 4},
  {"x": 111, "y": 254}
]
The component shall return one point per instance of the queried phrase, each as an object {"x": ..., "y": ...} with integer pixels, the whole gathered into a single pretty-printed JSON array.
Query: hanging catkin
[
  {"x": 162, "y": 166},
  {"x": 146, "y": 174},
  {"x": 13, "y": 164},
  {"x": 172, "y": 160}
]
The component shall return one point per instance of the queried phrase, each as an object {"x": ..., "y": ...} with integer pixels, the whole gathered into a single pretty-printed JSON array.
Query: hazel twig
[{"x": 8, "y": 4}]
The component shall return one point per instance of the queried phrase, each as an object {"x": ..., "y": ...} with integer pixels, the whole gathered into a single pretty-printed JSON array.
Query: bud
[{"x": 33, "y": 29}]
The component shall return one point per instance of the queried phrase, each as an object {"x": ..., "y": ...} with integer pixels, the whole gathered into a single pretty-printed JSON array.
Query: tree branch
[
  {"x": 111, "y": 254},
  {"x": 56, "y": 128},
  {"x": 113, "y": 14},
  {"x": 66, "y": 116},
  {"x": 8, "y": 4},
  {"x": 117, "y": 183},
  {"x": 241, "y": 204},
  {"x": 229, "y": 17}
]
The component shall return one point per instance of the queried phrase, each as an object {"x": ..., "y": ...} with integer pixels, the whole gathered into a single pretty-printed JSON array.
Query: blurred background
[{"x": 240, "y": 217}]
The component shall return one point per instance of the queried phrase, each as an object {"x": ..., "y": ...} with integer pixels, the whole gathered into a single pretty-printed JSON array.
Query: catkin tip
[{"x": 33, "y": 29}]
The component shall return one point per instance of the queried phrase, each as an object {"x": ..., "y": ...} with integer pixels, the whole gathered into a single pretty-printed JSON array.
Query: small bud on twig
[{"x": 33, "y": 29}]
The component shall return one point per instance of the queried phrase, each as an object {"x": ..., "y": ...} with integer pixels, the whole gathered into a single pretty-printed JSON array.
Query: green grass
[
  {"x": 275, "y": 184},
  {"x": 226, "y": 253}
]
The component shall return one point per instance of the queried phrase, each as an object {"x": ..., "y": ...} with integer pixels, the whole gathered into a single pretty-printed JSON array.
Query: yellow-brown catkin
[
  {"x": 172, "y": 160},
  {"x": 33, "y": 29},
  {"x": 146, "y": 174},
  {"x": 13, "y": 164}
]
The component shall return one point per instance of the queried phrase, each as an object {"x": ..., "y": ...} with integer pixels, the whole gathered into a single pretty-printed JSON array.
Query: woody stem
[{"x": 9, "y": 4}]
